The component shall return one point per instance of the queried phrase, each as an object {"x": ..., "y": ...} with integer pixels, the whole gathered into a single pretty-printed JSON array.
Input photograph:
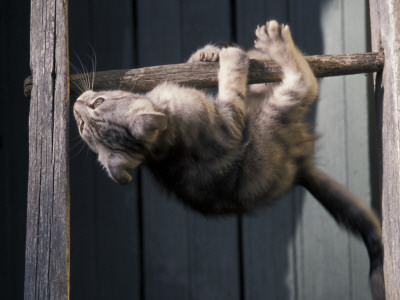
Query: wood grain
[
  {"x": 47, "y": 237},
  {"x": 204, "y": 75},
  {"x": 385, "y": 26}
]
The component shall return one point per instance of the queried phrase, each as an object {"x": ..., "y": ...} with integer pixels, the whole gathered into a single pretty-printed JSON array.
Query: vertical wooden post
[
  {"x": 47, "y": 239},
  {"x": 385, "y": 25}
]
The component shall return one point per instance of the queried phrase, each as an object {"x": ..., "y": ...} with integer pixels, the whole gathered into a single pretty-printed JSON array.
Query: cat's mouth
[
  {"x": 80, "y": 121},
  {"x": 81, "y": 126}
]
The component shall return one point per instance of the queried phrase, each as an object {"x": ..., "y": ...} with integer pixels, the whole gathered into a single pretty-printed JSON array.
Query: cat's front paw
[
  {"x": 208, "y": 53},
  {"x": 274, "y": 39},
  {"x": 234, "y": 56}
]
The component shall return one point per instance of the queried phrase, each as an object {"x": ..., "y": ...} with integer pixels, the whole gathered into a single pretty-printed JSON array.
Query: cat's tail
[{"x": 351, "y": 213}]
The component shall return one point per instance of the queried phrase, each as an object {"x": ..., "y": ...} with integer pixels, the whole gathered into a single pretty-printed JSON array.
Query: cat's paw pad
[
  {"x": 234, "y": 56},
  {"x": 272, "y": 35},
  {"x": 208, "y": 53}
]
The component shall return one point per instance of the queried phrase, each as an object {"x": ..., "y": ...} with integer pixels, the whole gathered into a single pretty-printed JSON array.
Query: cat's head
[{"x": 120, "y": 127}]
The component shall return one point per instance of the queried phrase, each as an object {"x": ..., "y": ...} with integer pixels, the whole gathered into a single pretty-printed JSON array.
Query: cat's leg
[
  {"x": 232, "y": 85},
  {"x": 232, "y": 75},
  {"x": 298, "y": 83}
]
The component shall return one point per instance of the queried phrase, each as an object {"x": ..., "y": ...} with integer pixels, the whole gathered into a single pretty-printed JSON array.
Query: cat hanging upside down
[{"x": 232, "y": 153}]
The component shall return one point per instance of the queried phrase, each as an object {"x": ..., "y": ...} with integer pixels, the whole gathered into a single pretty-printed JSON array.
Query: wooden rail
[{"x": 204, "y": 75}]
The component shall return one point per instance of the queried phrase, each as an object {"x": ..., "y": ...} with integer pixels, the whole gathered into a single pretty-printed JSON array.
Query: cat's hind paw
[
  {"x": 208, "y": 53},
  {"x": 273, "y": 38}
]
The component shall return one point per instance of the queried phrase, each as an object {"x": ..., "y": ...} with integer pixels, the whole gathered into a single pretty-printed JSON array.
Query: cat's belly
[
  {"x": 228, "y": 202},
  {"x": 228, "y": 193}
]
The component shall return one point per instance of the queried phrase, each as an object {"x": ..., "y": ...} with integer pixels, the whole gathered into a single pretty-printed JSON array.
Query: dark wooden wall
[
  {"x": 14, "y": 109},
  {"x": 134, "y": 241}
]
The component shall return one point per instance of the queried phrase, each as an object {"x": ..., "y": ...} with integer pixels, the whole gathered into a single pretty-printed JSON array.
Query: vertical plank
[
  {"x": 159, "y": 29},
  {"x": 47, "y": 240},
  {"x": 117, "y": 217},
  {"x": 268, "y": 250},
  {"x": 106, "y": 263},
  {"x": 165, "y": 232},
  {"x": 253, "y": 13},
  {"x": 357, "y": 139},
  {"x": 310, "y": 257},
  {"x": 13, "y": 145},
  {"x": 322, "y": 246},
  {"x": 267, "y": 235},
  {"x": 165, "y": 222},
  {"x": 198, "y": 30},
  {"x": 342, "y": 151},
  {"x": 385, "y": 26},
  {"x": 83, "y": 168},
  {"x": 213, "y": 242},
  {"x": 186, "y": 255}
]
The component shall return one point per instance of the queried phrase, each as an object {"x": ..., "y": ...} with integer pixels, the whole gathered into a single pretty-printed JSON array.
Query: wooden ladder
[{"x": 47, "y": 259}]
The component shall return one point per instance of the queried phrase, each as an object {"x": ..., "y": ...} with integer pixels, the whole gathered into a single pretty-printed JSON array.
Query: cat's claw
[{"x": 208, "y": 53}]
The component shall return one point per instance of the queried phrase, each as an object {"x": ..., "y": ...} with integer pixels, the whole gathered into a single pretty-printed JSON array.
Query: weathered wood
[
  {"x": 47, "y": 237},
  {"x": 385, "y": 28},
  {"x": 204, "y": 75}
]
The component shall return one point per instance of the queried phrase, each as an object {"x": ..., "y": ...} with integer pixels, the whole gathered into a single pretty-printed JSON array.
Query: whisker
[
  {"x": 80, "y": 73},
  {"x": 84, "y": 79},
  {"x": 85, "y": 74},
  {"x": 134, "y": 84},
  {"x": 77, "y": 138},
  {"x": 77, "y": 85},
  {"x": 79, "y": 82},
  {"x": 120, "y": 83},
  {"x": 94, "y": 66},
  {"x": 92, "y": 72},
  {"x": 83, "y": 145},
  {"x": 76, "y": 144},
  {"x": 87, "y": 153}
]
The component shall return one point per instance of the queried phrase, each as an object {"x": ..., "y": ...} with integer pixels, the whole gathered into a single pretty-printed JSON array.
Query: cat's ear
[{"x": 147, "y": 126}]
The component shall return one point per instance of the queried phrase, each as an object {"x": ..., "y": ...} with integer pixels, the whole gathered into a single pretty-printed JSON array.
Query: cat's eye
[{"x": 97, "y": 102}]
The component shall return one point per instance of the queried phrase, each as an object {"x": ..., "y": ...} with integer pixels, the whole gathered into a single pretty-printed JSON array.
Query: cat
[{"x": 229, "y": 153}]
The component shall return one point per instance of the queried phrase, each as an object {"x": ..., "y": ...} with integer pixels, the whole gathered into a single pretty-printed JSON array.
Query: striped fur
[{"x": 231, "y": 153}]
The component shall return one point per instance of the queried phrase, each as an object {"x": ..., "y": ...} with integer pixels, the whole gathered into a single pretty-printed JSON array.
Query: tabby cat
[{"x": 231, "y": 153}]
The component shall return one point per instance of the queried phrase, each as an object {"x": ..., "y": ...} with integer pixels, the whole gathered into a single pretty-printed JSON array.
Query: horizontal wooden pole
[{"x": 204, "y": 74}]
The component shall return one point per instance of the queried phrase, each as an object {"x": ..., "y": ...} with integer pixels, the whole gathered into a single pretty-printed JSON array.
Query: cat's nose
[
  {"x": 78, "y": 105},
  {"x": 76, "y": 113},
  {"x": 78, "y": 102}
]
